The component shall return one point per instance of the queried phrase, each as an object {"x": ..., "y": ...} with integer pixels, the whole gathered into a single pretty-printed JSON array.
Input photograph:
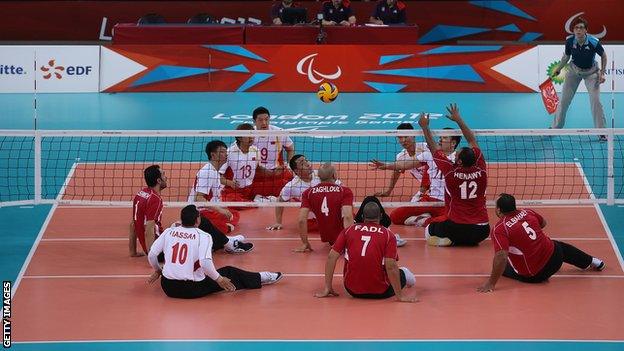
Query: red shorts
[
  {"x": 271, "y": 185},
  {"x": 400, "y": 214},
  {"x": 219, "y": 220}
]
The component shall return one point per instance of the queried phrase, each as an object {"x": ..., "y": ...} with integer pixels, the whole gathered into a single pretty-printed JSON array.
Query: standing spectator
[{"x": 388, "y": 12}]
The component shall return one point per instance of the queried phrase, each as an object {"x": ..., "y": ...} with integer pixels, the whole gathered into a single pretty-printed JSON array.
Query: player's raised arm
[
  {"x": 423, "y": 122},
  {"x": 454, "y": 115}
]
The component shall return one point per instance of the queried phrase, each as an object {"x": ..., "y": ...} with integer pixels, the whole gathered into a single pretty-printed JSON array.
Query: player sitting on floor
[
  {"x": 189, "y": 271},
  {"x": 240, "y": 170},
  {"x": 147, "y": 207},
  {"x": 208, "y": 188},
  {"x": 423, "y": 215},
  {"x": 370, "y": 270},
  {"x": 384, "y": 219},
  {"x": 305, "y": 177},
  {"x": 332, "y": 204},
  {"x": 524, "y": 252},
  {"x": 271, "y": 150},
  {"x": 419, "y": 161}
]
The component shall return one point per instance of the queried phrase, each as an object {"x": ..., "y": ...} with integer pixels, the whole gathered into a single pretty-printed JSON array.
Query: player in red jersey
[
  {"x": 464, "y": 198},
  {"x": 147, "y": 208},
  {"x": 370, "y": 269},
  {"x": 332, "y": 205},
  {"x": 524, "y": 252}
]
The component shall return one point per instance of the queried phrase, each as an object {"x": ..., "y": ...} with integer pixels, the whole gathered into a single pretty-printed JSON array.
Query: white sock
[
  {"x": 410, "y": 279},
  {"x": 266, "y": 277},
  {"x": 427, "y": 235},
  {"x": 595, "y": 262}
]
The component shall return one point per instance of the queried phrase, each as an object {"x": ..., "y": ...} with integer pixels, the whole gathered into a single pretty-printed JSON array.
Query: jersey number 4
[
  {"x": 179, "y": 253},
  {"x": 465, "y": 186},
  {"x": 324, "y": 207}
]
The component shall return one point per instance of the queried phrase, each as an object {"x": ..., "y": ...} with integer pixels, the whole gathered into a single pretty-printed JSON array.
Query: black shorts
[
  {"x": 460, "y": 234},
  {"x": 384, "y": 295}
]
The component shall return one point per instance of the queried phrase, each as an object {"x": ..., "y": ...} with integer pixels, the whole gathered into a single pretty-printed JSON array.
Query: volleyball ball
[{"x": 327, "y": 92}]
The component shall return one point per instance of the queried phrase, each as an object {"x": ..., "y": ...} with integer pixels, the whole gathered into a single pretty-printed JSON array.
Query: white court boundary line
[
  {"x": 318, "y": 275},
  {"x": 35, "y": 245},
  {"x": 603, "y": 220}
]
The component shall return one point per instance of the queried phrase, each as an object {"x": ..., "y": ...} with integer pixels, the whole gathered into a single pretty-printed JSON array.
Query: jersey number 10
[{"x": 179, "y": 253}]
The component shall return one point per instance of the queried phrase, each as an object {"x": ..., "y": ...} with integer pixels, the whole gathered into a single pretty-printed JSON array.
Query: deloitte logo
[
  {"x": 52, "y": 70},
  {"x": 11, "y": 70},
  {"x": 551, "y": 71}
]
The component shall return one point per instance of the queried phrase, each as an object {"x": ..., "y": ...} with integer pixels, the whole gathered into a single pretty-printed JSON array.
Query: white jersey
[
  {"x": 243, "y": 165},
  {"x": 292, "y": 190},
  {"x": 271, "y": 147},
  {"x": 438, "y": 186},
  {"x": 188, "y": 253},
  {"x": 207, "y": 181},
  {"x": 420, "y": 171}
]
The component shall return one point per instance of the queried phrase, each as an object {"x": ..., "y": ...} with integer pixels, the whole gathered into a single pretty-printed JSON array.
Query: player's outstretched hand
[
  {"x": 453, "y": 111},
  {"x": 276, "y": 226},
  {"x": 326, "y": 293},
  {"x": 226, "y": 284},
  {"x": 404, "y": 298},
  {"x": 304, "y": 248},
  {"x": 423, "y": 121},
  {"x": 154, "y": 277},
  {"x": 376, "y": 164},
  {"x": 486, "y": 288}
]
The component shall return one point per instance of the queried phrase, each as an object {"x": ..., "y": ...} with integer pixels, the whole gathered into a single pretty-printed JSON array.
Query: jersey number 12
[{"x": 465, "y": 186}]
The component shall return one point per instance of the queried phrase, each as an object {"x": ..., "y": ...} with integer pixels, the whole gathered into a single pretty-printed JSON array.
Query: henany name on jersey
[{"x": 467, "y": 176}]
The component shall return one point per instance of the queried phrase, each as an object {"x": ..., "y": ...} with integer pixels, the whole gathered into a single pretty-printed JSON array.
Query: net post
[
  {"x": 37, "y": 167},
  {"x": 610, "y": 168}
]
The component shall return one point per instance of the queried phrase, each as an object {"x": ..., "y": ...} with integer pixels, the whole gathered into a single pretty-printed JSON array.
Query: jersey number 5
[
  {"x": 179, "y": 253},
  {"x": 529, "y": 230},
  {"x": 465, "y": 186}
]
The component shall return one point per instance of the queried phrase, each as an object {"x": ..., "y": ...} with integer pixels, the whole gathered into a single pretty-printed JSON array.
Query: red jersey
[
  {"x": 465, "y": 189},
  {"x": 520, "y": 233},
  {"x": 146, "y": 206},
  {"x": 365, "y": 246},
  {"x": 326, "y": 200}
]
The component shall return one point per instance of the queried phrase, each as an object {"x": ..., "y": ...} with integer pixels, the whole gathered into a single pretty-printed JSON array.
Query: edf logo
[{"x": 52, "y": 70}]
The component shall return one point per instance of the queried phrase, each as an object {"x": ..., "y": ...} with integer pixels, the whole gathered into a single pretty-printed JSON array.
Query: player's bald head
[
  {"x": 327, "y": 172},
  {"x": 371, "y": 212}
]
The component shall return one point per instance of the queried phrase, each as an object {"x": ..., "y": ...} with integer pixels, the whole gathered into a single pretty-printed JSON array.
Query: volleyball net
[{"x": 560, "y": 167}]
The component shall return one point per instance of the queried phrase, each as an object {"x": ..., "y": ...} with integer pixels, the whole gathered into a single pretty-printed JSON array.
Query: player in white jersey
[
  {"x": 189, "y": 271},
  {"x": 219, "y": 220},
  {"x": 410, "y": 150},
  {"x": 432, "y": 184},
  {"x": 240, "y": 170},
  {"x": 271, "y": 150},
  {"x": 305, "y": 177}
]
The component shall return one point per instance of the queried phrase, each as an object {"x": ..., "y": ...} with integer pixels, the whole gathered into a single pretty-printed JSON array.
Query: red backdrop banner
[{"x": 301, "y": 68}]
